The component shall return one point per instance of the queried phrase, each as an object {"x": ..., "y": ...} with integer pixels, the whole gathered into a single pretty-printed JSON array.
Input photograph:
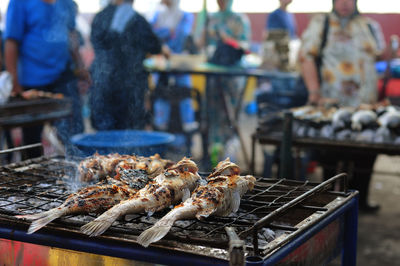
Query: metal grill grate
[{"x": 43, "y": 183}]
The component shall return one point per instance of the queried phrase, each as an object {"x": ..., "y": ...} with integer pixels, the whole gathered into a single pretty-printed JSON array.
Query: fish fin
[
  {"x": 186, "y": 194},
  {"x": 150, "y": 213},
  {"x": 32, "y": 217},
  {"x": 43, "y": 221},
  {"x": 130, "y": 217},
  {"x": 204, "y": 213},
  {"x": 155, "y": 233},
  {"x": 235, "y": 201},
  {"x": 99, "y": 225}
]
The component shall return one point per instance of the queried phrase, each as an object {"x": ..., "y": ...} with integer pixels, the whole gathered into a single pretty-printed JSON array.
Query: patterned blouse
[
  {"x": 235, "y": 25},
  {"x": 348, "y": 58}
]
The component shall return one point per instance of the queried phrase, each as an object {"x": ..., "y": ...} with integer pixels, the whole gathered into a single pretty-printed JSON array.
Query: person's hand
[
  {"x": 83, "y": 74},
  {"x": 314, "y": 97},
  {"x": 165, "y": 51},
  {"x": 85, "y": 80},
  {"x": 17, "y": 88}
]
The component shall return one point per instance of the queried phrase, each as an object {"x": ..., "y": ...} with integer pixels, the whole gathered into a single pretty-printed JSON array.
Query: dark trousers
[
  {"x": 66, "y": 127},
  {"x": 358, "y": 166}
]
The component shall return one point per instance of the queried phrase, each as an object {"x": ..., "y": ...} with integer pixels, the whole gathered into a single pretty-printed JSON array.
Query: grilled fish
[
  {"x": 219, "y": 197},
  {"x": 223, "y": 167},
  {"x": 97, "y": 167},
  {"x": 362, "y": 119},
  {"x": 166, "y": 189},
  {"x": 93, "y": 199}
]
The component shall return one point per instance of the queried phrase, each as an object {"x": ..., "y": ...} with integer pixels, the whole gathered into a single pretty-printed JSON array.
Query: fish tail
[
  {"x": 99, "y": 225},
  {"x": 32, "y": 217},
  {"x": 163, "y": 226},
  {"x": 44, "y": 219},
  {"x": 158, "y": 231}
]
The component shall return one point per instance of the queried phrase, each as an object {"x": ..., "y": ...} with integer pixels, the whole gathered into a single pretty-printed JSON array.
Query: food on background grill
[
  {"x": 168, "y": 188},
  {"x": 219, "y": 197},
  {"x": 362, "y": 119},
  {"x": 93, "y": 199},
  {"x": 378, "y": 123},
  {"x": 97, "y": 167},
  {"x": 36, "y": 94},
  {"x": 342, "y": 118}
]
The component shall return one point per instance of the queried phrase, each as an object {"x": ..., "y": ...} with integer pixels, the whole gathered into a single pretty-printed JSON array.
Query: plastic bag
[{"x": 5, "y": 86}]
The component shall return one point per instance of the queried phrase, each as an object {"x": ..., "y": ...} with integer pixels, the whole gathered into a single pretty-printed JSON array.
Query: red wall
[{"x": 390, "y": 23}]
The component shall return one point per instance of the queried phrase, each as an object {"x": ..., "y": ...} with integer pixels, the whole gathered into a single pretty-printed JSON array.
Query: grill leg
[{"x": 349, "y": 252}]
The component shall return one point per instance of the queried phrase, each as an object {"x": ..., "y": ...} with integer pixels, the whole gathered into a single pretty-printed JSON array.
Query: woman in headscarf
[
  {"x": 173, "y": 26},
  {"x": 347, "y": 76},
  {"x": 121, "y": 39},
  {"x": 233, "y": 29},
  {"x": 228, "y": 26}
]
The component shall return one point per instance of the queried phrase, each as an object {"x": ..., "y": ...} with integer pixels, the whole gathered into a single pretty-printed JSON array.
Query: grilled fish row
[
  {"x": 132, "y": 191},
  {"x": 98, "y": 167}
]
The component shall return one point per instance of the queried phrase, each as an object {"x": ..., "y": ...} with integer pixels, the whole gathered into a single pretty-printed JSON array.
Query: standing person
[
  {"x": 173, "y": 26},
  {"x": 347, "y": 75},
  {"x": 281, "y": 19},
  {"x": 38, "y": 54},
  {"x": 228, "y": 29},
  {"x": 121, "y": 38}
]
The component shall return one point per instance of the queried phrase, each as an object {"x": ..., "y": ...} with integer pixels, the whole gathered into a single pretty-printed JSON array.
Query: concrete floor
[{"x": 379, "y": 234}]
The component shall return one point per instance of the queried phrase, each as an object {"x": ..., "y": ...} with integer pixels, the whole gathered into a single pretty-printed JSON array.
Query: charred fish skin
[
  {"x": 92, "y": 199},
  {"x": 97, "y": 167},
  {"x": 219, "y": 197},
  {"x": 166, "y": 189}
]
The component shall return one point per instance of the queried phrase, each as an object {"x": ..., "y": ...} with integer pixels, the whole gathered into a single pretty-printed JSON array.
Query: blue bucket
[{"x": 145, "y": 143}]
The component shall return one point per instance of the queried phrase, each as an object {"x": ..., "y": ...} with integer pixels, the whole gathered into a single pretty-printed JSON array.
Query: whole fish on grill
[
  {"x": 219, "y": 197},
  {"x": 168, "y": 188},
  {"x": 363, "y": 119},
  {"x": 93, "y": 199},
  {"x": 97, "y": 167}
]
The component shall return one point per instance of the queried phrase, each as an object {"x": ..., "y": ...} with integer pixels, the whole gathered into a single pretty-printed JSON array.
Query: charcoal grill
[{"x": 280, "y": 221}]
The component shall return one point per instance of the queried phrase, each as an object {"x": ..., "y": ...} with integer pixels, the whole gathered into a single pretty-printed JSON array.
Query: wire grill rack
[{"x": 275, "y": 206}]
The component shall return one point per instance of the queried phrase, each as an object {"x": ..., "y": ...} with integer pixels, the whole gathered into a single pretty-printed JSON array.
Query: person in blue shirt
[
  {"x": 38, "y": 53},
  {"x": 280, "y": 19},
  {"x": 173, "y": 26}
]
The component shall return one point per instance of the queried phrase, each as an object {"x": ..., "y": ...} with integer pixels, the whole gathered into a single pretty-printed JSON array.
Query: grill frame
[
  {"x": 217, "y": 251},
  {"x": 19, "y": 112}
]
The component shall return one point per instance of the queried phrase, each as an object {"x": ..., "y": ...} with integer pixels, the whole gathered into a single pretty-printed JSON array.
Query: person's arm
[
  {"x": 308, "y": 52},
  {"x": 80, "y": 71},
  {"x": 13, "y": 35},
  {"x": 11, "y": 61},
  {"x": 1, "y": 51},
  {"x": 310, "y": 76},
  {"x": 181, "y": 34},
  {"x": 149, "y": 39},
  {"x": 378, "y": 38}
]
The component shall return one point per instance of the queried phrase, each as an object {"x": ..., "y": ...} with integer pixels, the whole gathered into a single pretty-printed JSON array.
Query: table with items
[
  {"x": 211, "y": 71},
  {"x": 366, "y": 129}
]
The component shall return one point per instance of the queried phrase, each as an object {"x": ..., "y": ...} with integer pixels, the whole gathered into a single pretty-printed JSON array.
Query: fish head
[
  {"x": 184, "y": 165},
  {"x": 225, "y": 167},
  {"x": 88, "y": 169},
  {"x": 247, "y": 182}
]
